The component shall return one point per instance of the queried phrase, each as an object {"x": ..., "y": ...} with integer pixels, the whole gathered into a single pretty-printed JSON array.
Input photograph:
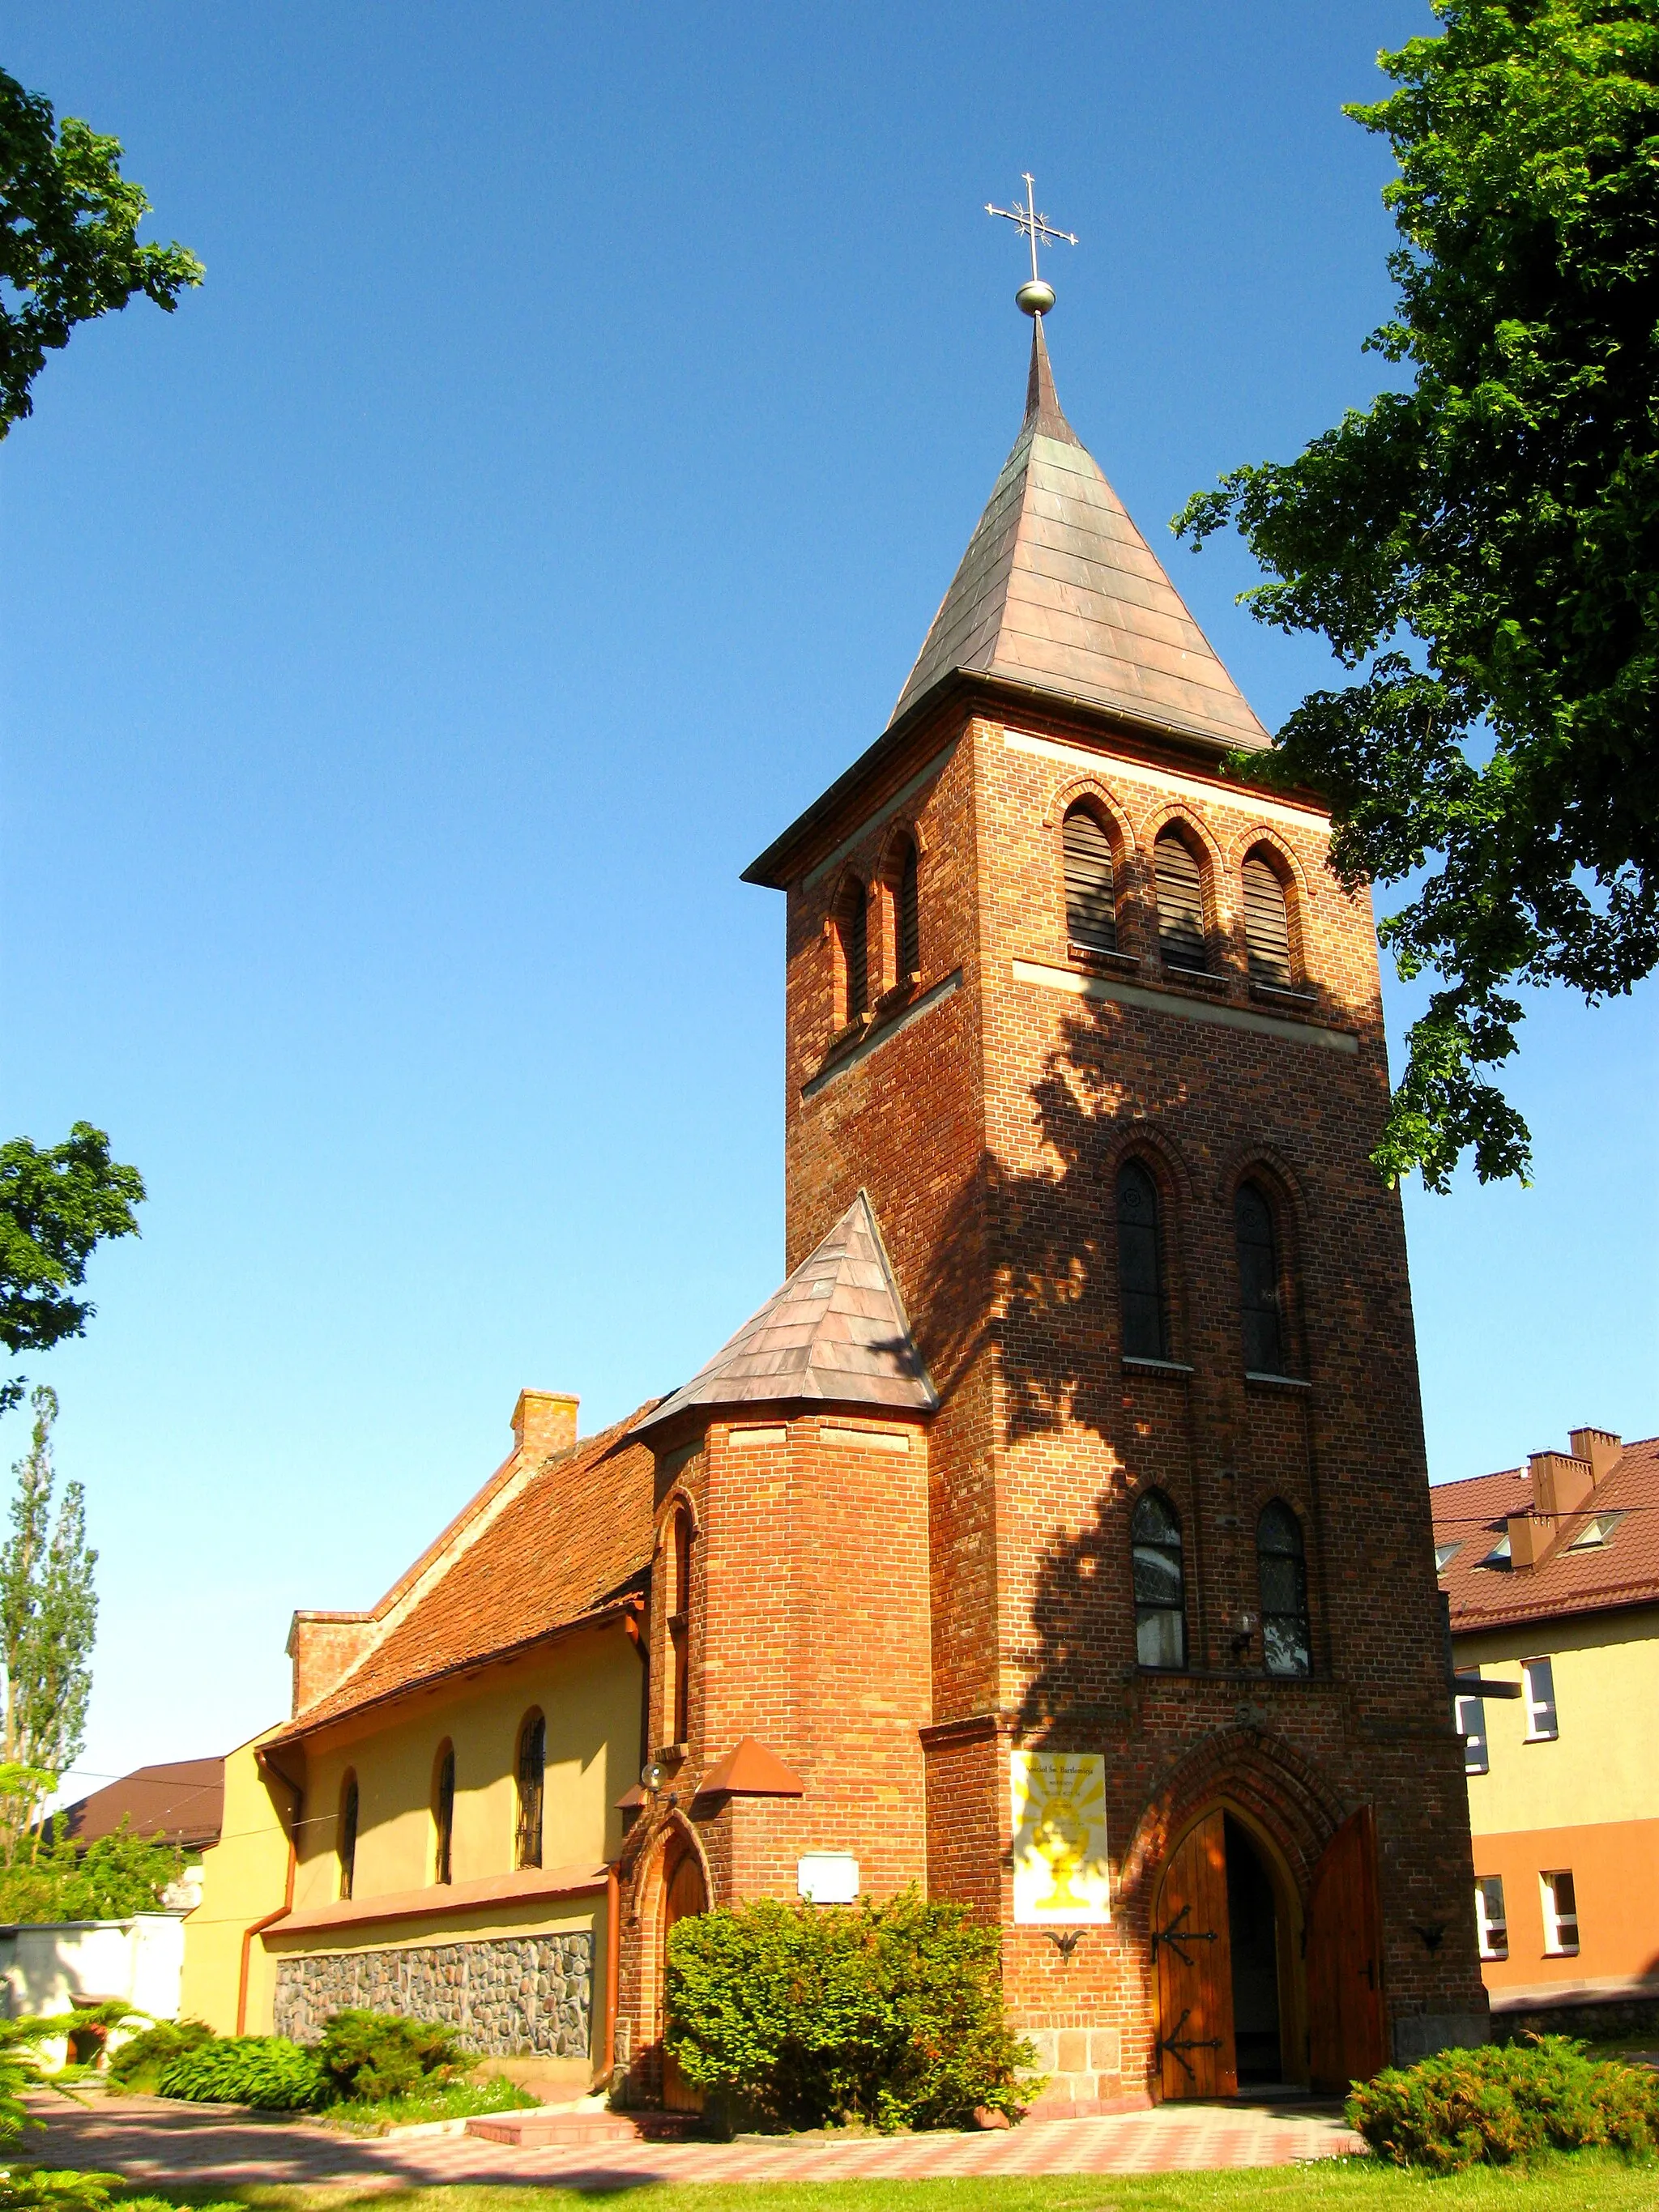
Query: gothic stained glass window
[
  {"x": 1258, "y": 1281},
  {"x": 1160, "y": 1584},
  {"x": 532, "y": 1766},
  {"x": 1090, "y": 893},
  {"x": 1282, "y": 1572},
  {"x": 1140, "y": 1263}
]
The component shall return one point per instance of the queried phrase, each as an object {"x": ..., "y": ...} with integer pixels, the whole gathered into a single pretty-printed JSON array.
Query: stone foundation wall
[{"x": 520, "y": 1995}]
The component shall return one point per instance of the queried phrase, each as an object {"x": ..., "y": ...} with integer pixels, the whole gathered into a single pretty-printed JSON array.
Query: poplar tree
[{"x": 48, "y": 1621}]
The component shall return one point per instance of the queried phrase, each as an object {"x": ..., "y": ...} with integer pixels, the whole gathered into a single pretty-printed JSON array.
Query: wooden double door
[
  {"x": 1201, "y": 2019},
  {"x": 685, "y": 1895}
]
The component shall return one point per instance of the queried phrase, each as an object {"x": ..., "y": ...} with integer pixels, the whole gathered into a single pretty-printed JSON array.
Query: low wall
[
  {"x": 46, "y": 1966},
  {"x": 506, "y": 1997}
]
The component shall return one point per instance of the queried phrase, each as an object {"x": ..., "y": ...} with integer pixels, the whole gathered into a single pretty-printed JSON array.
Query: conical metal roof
[
  {"x": 1058, "y": 590},
  {"x": 836, "y": 1332}
]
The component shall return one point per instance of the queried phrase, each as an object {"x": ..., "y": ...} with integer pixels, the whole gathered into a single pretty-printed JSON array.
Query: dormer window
[
  {"x": 1596, "y": 1532},
  {"x": 1444, "y": 1554}
]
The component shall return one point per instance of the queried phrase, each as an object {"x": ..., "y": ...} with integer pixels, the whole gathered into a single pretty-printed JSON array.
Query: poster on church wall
[{"x": 1060, "y": 1870}]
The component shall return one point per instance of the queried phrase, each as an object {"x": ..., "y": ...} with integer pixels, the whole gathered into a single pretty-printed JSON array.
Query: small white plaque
[{"x": 826, "y": 1878}]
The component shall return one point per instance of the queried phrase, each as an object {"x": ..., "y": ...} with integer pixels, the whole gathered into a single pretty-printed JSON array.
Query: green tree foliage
[
  {"x": 56, "y": 1206},
  {"x": 48, "y": 1621},
  {"x": 50, "y": 1878},
  {"x": 69, "y": 239},
  {"x": 1481, "y": 549},
  {"x": 807, "y": 2015},
  {"x": 1497, "y": 2104}
]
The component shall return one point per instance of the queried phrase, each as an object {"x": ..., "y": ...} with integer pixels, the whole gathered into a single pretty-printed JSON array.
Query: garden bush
[
  {"x": 803, "y": 2016},
  {"x": 372, "y": 2058},
  {"x": 140, "y": 2063},
  {"x": 1463, "y": 2108},
  {"x": 265, "y": 2070}
]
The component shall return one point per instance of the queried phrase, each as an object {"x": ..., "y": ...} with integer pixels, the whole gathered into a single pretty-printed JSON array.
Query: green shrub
[
  {"x": 1463, "y": 2108},
  {"x": 43, "y": 2188},
  {"x": 140, "y": 2063},
  {"x": 374, "y": 2058},
  {"x": 801, "y": 2016},
  {"x": 265, "y": 2070}
]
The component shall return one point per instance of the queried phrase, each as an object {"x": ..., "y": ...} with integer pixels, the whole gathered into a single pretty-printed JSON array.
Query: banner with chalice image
[{"x": 1060, "y": 1870}]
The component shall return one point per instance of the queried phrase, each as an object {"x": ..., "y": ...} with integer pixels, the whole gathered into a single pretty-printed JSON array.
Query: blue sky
[{"x": 408, "y": 642}]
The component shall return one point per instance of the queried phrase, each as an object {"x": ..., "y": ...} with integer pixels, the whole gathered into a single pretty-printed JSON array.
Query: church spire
[{"x": 1043, "y": 408}]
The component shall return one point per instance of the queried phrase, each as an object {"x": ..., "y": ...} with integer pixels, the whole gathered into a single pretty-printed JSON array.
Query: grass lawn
[{"x": 1587, "y": 2182}]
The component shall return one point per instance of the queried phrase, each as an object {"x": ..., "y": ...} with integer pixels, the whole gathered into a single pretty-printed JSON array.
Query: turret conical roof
[{"x": 1058, "y": 591}]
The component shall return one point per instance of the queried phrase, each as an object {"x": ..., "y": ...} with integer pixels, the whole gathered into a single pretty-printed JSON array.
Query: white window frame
[
  {"x": 1475, "y": 1709},
  {"x": 1556, "y": 1943},
  {"x": 1492, "y": 1933},
  {"x": 1539, "y": 1709}
]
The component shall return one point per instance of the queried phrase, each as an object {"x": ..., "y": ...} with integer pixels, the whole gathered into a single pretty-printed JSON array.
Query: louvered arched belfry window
[
  {"x": 1180, "y": 939},
  {"x": 1282, "y": 1570},
  {"x": 1140, "y": 1263},
  {"x": 909, "y": 912},
  {"x": 1090, "y": 890},
  {"x": 1160, "y": 1584},
  {"x": 532, "y": 1774},
  {"x": 852, "y": 926},
  {"x": 679, "y": 1626},
  {"x": 1260, "y": 1300},
  {"x": 1267, "y": 922}
]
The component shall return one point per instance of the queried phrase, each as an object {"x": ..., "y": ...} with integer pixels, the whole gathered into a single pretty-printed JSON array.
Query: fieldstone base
[{"x": 531, "y": 1995}]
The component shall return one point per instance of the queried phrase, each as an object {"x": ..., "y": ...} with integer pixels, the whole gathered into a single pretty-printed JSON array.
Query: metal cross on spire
[{"x": 1037, "y": 297}]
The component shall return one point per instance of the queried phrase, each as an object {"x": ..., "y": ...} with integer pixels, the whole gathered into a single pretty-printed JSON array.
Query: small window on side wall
[
  {"x": 1491, "y": 1925},
  {"x": 532, "y": 1770},
  {"x": 443, "y": 1813},
  {"x": 1282, "y": 1577},
  {"x": 1160, "y": 1584},
  {"x": 347, "y": 1837},
  {"x": 1538, "y": 1680},
  {"x": 1091, "y": 891},
  {"x": 679, "y": 1628},
  {"x": 1267, "y": 923},
  {"x": 1560, "y": 1901},
  {"x": 1258, "y": 1281},
  {"x": 1139, "y": 1264},
  {"x": 1472, "y": 1727},
  {"x": 1180, "y": 939}
]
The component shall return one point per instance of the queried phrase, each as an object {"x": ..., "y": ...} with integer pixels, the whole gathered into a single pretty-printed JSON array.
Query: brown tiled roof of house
[
  {"x": 571, "y": 1546},
  {"x": 1602, "y": 1554},
  {"x": 182, "y": 1800}
]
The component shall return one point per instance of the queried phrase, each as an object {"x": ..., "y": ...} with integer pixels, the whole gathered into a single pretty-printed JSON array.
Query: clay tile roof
[
  {"x": 1623, "y": 1570},
  {"x": 183, "y": 1801},
  {"x": 573, "y": 1545},
  {"x": 1058, "y": 591},
  {"x": 835, "y": 1333}
]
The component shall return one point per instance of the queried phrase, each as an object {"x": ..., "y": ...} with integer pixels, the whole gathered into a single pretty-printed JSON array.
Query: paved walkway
[{"x": 146, "y": 2140}]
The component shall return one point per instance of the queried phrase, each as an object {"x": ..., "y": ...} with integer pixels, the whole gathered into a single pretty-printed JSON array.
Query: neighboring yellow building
[
  {"x": 227, "y": 1976},
  {"x": 1552, "y": 1575}
]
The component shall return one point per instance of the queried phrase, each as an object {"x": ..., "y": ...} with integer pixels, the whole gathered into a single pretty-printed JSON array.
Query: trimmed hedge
[
  {"x": 265, "y": 2070},
  {"x": 1490, "y": 2107},
  {"x": 804, "y": 2016}
]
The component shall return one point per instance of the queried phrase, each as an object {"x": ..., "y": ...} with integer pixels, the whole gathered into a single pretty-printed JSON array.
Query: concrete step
[{"x": 550, "y": 2127}]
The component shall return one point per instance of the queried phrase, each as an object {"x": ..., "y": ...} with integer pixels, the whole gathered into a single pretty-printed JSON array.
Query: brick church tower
[{"x": 1096, "y": 1034}]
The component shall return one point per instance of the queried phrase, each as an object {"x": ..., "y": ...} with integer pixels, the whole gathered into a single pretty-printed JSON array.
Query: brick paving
[{"x": 146, "y": 2141}]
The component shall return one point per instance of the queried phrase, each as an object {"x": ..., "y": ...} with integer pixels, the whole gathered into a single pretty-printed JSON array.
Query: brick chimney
[
  {"x": 1601, "y": 1449},
  {"x": 543, "y": 1421}
]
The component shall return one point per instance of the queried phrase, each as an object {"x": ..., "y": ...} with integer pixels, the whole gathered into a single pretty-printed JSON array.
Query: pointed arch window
[
  {"x": 1160, "y": 1584},
  {"x": 1282, "y": 1578},
  {"x": 853, "y": 927},
  {"x": 443, "y": 1813},
  {"x": 1259, "y": 1281},
  {"x": 1267, "y": 922},
  {"x": 533, "y": 1770},
  {"x": 908, "y": 902},
  {"x": 348, "y": 1833},
  {"x": 1090, "y": 890},
  {"x": 1180, "y": 939},
  {"x": 1140, "y": 1264}
]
